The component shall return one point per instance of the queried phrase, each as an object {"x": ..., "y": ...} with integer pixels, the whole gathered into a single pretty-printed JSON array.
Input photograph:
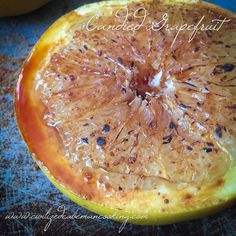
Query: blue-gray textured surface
[{"x": 23, "y": 187}]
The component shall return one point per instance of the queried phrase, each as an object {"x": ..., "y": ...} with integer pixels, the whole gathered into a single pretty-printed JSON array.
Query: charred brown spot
[
  {"x": 72, "y": 77},
  {"x": 88, "y": 197},
  {"x": 188, "y": 196},
  {"x": 104, "y": 182},
  {"x": 196, "y": 49},
  {"x": 99, "y": 53},
  {"x": 219, "y": 42},
  {"x": 123, "y": 90},
  {"x": 135, "y": 139},
  {"x": 112, "y": 153},
  {"x": 171, "y": 125},
  {"x": 120, "y": 60},
  {"x": 142, "y": 176},
  {"x": 210, "y": 144},
  {"x": 219, "y": 182},
  {"x": 107, "y": 186},
  {"x": 93, "y": 134},
  {"x": 167, "y": 139},
  {"x": 189, "y": 148},
  {"x": 118, "y": 161},
  {"x": 166, "y": 201},
  {"x": 233, "y": 106},
  {"x": 132, "y": 160},
  {"x": 132, "y": 65},
  {"x": 152, "y": 125},
  {"x": 88, "y": 175}
]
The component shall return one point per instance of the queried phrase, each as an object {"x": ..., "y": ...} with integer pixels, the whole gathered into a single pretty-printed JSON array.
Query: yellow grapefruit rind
[{"x": 142, "y": 208}]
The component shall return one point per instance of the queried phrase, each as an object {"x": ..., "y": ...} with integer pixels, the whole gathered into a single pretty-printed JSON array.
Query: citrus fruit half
[{"x": 130, "y": 116}]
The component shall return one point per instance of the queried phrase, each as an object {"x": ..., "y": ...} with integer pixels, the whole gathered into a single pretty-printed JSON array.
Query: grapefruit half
[{"x": 135, "y": 123}]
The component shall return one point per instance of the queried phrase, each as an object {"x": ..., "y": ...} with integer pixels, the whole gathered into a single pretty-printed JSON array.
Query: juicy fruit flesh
[{"x": 132, "y": 111}]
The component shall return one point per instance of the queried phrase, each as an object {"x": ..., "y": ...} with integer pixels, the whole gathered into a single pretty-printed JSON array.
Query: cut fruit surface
[{"x": 136, "y": 122}]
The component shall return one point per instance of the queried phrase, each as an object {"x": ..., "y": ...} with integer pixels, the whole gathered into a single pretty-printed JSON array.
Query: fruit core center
[{"x": 146, "y": 84}]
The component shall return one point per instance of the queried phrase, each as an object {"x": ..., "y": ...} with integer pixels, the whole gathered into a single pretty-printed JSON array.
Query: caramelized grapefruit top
[{"x": 137, "y": 109}]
